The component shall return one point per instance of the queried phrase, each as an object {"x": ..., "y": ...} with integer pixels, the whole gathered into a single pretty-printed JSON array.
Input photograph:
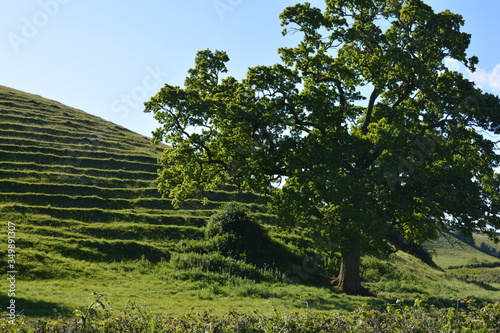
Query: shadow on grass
[
  {"x": 33, "y": 309},
  {"x": 339, "y": 302},
  {"x": 483, "y": 285}
]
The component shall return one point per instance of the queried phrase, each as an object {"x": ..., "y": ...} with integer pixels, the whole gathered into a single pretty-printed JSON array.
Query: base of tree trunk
[
  {"x": 362, "y": 291},
  {"x": 349, "y": 278}
]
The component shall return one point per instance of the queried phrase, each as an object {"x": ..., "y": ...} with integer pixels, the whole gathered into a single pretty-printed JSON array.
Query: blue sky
[{"x": 108, "y": 57}]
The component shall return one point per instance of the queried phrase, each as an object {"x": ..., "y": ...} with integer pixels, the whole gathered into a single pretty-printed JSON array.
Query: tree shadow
[
  {"x": 484, "y": 285},
  {"x": 335, "y": 301},
  {"x": 33, "y": 309}
]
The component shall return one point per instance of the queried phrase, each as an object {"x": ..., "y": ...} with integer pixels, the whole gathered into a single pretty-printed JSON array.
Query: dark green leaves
[{"x": 411, "y": 157}]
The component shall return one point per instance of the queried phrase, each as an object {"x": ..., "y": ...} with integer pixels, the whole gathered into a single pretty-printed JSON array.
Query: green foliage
[
  {"x": 233, "y": 219},
  {"x": 234, "y": 232},
  {"x": 98, "y": 317},
  {"x": 379, "y": 270}
]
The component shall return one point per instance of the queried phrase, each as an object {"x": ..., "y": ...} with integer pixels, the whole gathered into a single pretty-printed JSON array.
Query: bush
[
  {"x": 376, "y": 270},
  {"x": 233, "y": 232},
  {"x": 235, "y": 220},
  {"x": 236, "y": 234}
]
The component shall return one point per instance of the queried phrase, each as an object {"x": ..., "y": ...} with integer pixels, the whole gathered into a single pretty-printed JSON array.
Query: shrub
[
  {"x": 233, "y": 232},
  {"x": 375, "y": 270},
  {"x": 235, "y": 220},
  {"x": 236, "y": 234}
]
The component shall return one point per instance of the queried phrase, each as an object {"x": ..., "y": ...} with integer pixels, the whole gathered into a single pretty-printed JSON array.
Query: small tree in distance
[{"x": 414, "y": 157}]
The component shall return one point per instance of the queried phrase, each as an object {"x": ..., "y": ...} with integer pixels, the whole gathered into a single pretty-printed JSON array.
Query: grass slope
[
  {"x": 81, "y": 192},
  {"x": 475, "y": 260},
  {"x": 82, "y": 188}
]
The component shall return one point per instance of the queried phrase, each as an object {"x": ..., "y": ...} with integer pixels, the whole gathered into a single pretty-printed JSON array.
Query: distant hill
[
  {"x": 79, "y": 188},
  {"x": 452, "y": 250}
]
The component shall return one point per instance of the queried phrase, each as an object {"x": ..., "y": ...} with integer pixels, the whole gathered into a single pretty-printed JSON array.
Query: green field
[{"x": 81, "y": 192}]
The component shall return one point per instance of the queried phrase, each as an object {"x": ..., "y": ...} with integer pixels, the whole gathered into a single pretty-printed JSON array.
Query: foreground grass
[
  {"x": 396, "y": 318},
  {"x": 166, "y": 289},
  {"x": 168, "y": 295}
]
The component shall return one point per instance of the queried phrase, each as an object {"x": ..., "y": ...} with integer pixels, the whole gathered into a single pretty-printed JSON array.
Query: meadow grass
[
  {"x": 164, "y": 290},
  {"x": 170, "y": 287},
  {"x": 404, "y": 276},
  {"x": 69, "y": 171}
]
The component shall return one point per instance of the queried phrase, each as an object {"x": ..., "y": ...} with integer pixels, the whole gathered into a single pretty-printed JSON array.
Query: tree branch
[
  {"x": 368, "y": 161},
  {"x": 441, "y": 123},
  {"x": 369, "y": 110},
  {"x": 299, "y": 122},
  {"x": 277, "y": 171},
  {"x": 409, "y": 88}
]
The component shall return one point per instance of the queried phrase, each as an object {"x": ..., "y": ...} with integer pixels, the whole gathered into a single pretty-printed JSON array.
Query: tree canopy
[{"x": 360, "y": 130}]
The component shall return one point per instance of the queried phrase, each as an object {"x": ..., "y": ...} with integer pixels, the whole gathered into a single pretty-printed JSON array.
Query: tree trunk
[{"x": 349, "y": 279}]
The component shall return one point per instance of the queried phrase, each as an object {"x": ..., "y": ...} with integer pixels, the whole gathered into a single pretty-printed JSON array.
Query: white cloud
[
  {"x": 489, "y": 81},
  {"x": 486, "y": 80},
  {"x": 454, "y": 64}
]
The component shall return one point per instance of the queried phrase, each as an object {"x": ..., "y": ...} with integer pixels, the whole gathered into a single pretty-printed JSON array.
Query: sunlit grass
[
  {"x": 165, "y": 294},
  {"x": 165, "y": 288},
  {"x": 448, "y": 251}
]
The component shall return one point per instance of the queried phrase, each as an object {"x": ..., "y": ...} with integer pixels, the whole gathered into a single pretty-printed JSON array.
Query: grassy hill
[
  {"x": 80, "y": 187},
  {"x": 81, "y": 192},
  {"x": 475, "y": 259}
]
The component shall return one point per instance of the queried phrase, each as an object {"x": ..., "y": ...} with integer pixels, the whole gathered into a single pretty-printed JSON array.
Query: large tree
[{"x": 361, "y": 131}]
